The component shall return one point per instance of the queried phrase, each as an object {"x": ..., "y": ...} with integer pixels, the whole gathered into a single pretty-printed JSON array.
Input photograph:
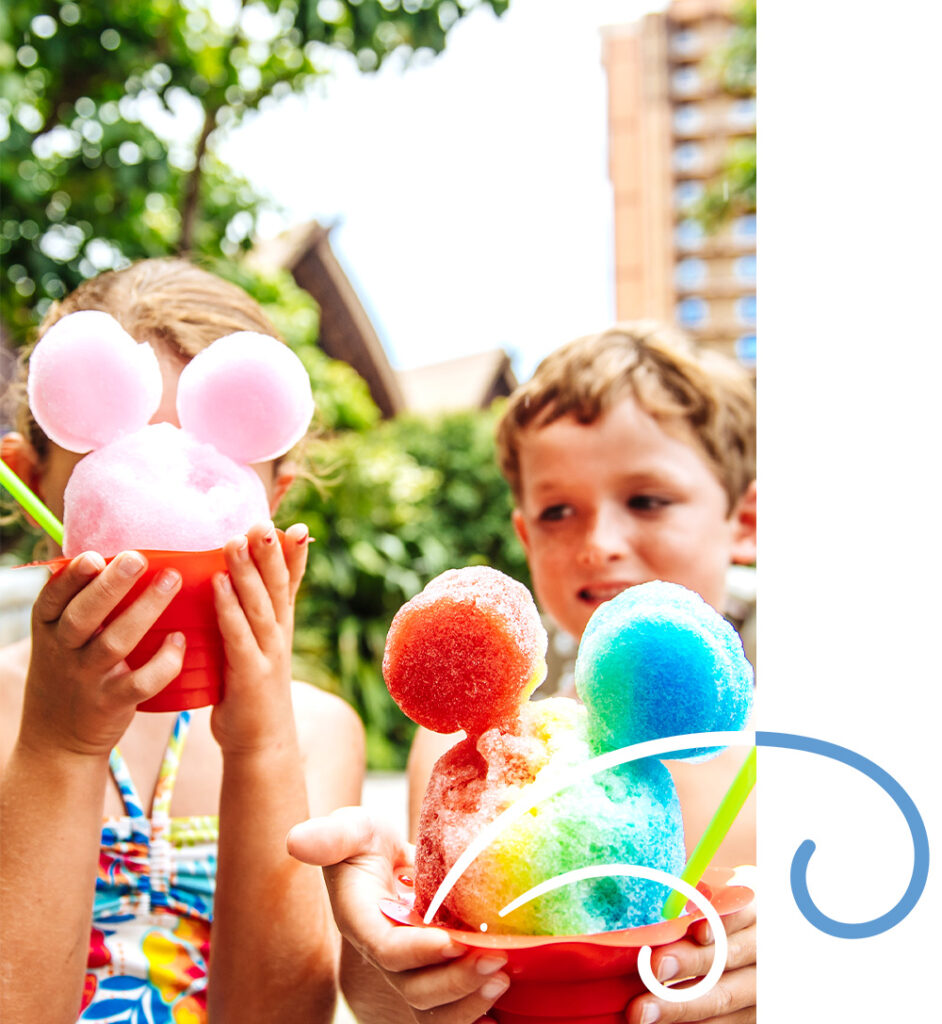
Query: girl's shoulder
[
  {"x": 322, "y": 715},
  {"x": 14, "y": 663}
]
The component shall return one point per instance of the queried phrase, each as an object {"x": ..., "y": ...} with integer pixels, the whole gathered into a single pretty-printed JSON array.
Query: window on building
[
  {"x": 746, "y": 309},
  {"x": 692, "y": 312},
  {"x": 690, "y": 273},
  {"x": 688, "y": 156},
  {"x": 742, "y": 112},
  {"x": 745, "y": 226},
  {"x": 687, "y": 118},
  {"x": 685, "y": 41},
  {"x": 687, "y": 192},
  {"x": 688, "y": 234},
  {"x": 745, "y": 268},
  {"x": 745, "y": 348},
  {"x": 685, "y": 80}
]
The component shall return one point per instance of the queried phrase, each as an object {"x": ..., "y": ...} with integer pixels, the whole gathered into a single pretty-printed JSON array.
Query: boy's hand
[
  {"x": 80, "y": 693},
  {"x": 360, "y": 858},
  {"x": 255, "y": 609},
  {"x": 731, "y": 1001}
]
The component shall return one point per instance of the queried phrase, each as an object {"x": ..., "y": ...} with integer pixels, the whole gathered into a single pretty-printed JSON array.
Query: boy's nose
[{"x": 607, "y": 537}]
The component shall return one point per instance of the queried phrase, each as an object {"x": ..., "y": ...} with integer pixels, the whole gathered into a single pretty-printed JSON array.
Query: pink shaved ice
[
  {"x": 90, "y": 382},
  {"x": 116, "y": 500},
  {"x": 248, "y": 394}
]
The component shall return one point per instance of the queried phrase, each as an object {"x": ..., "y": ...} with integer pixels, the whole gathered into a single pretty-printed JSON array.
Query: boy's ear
[
  {"x": 520, "y": 527},
  {"x": 284, "y": 478},
  {"x": 744, "y": 522},
  {"x": 21, "y": 457}
]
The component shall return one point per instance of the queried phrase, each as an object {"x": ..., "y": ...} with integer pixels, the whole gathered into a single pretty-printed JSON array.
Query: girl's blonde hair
[
  {"x": 664, "y": 373},
  {"x": 165, "y": 302}
]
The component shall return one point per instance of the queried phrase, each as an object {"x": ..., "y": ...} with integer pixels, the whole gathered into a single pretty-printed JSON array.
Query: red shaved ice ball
[{"x": 466, "y": 652}]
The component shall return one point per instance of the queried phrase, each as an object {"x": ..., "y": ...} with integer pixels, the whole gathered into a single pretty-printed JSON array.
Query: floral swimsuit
[{"x": 149, "y": 949}]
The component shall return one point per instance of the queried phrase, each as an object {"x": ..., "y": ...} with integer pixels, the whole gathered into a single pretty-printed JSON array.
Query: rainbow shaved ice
[
  {"x": 93, "y": 388},
  {"x": 626, "y": 815}
]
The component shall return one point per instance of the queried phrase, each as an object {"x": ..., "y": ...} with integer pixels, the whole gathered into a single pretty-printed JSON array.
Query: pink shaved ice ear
[
  {"x": 90, "y": 382},
  {"x": 248, "y": 395}
]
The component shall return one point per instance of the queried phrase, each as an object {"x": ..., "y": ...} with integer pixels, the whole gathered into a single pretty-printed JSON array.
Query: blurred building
[
  {"x": 469, "y": 382},
  {"x": 670, "y": 124}
]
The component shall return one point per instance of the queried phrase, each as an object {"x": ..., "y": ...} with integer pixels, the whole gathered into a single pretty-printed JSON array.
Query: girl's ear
[
  {"x": 284, "y": 477},
  {"x": 21, "y": 457},
  {"x": 744, "y": 522}
]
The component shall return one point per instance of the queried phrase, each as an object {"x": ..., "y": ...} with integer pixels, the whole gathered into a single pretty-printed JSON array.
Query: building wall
[{"x": 669, "y": 127}]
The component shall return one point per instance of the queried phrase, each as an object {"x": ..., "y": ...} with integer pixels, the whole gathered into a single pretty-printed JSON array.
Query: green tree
[
  {"x": 94, "y": 96},
  {"x": 732, "y": 191}
]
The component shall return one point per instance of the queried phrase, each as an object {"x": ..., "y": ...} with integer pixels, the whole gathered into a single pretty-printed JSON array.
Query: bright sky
[{"x": 470, "y": 194}]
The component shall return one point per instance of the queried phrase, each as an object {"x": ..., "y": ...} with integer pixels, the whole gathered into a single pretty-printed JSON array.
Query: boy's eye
[
  {"x": 554, "y": 513},
  {"x": 646, "y": 502}
]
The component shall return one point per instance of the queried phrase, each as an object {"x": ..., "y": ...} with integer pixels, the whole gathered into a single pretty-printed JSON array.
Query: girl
[{"x": 191, "y": 855}]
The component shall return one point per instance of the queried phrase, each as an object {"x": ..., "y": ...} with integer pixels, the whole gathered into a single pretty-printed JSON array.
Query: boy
[{"x": 631, "y": 457}]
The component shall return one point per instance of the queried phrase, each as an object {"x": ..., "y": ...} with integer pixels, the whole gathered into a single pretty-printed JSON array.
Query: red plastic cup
[
  {"x": 191, "y": 612},
  {"x": 579, "y": 979}
]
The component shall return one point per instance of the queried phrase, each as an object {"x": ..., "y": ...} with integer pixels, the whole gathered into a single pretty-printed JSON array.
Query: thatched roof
[
  {"x": 469, "y": 382},
  {"x": 346, "y": 332}
]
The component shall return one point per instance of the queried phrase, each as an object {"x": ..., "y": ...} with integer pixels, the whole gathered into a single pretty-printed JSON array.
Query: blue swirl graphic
[{"x": 799, "y": 869}]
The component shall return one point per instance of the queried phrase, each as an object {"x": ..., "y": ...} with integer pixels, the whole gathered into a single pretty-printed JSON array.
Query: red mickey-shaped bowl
[{"x": 579, "y": 979}]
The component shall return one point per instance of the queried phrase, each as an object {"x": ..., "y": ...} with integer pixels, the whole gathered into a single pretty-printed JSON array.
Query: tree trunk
[{"x": 191, "y": 192}]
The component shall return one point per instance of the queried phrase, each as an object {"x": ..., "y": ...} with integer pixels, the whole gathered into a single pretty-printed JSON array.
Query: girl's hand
[
  {"x": 80, "y": 693},
  {"x": 255, "y": 609}
]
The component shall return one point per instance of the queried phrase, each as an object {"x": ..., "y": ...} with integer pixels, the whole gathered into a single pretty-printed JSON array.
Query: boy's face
[{"x": 621, "y": 501}]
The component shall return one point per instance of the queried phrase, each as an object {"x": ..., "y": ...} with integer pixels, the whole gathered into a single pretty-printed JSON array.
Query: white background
[{"x": 850, "y": 552}]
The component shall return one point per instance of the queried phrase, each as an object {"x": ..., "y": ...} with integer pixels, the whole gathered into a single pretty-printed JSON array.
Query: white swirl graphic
[{"x": 670, "y": 995}]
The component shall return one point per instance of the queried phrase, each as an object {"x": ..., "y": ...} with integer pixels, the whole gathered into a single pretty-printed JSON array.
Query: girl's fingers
[
  {"x": 236, "y": 632},
  {"x": 250, "y": 589},
  {"x": 65, "y": 584},
  {"x": 268, "y": 556},
  {"x": 116, "y": 641},
  {"x": 83, "y": 615},
  {"x": 294, "y": 544},
  {"x": 152, "y": 676}
]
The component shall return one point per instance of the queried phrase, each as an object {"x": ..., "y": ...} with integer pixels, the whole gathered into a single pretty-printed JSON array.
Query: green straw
[
  {"x": 30, "y": 502},
  {"x": 715, "y": 833}
]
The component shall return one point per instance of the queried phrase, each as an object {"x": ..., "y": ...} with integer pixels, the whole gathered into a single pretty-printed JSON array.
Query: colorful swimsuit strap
[{"x": 160, "y": 864}]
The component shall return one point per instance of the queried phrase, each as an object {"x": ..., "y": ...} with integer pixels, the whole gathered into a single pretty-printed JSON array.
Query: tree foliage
[
  {"x": 109, "y": 115},
  {"x": 732, "y": 191}
]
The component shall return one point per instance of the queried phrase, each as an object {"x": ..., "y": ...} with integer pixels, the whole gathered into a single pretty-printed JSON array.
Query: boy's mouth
[{"x": 598, "y": 593}]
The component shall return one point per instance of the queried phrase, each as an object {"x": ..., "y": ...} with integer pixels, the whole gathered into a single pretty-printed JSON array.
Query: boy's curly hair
[{"x": 664, "y": 373}]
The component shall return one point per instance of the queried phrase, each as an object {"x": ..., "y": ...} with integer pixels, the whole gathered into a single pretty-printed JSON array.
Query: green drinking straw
[
  {"x": 30, "y": 502},
  {"x": 715, "y": 833}
]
